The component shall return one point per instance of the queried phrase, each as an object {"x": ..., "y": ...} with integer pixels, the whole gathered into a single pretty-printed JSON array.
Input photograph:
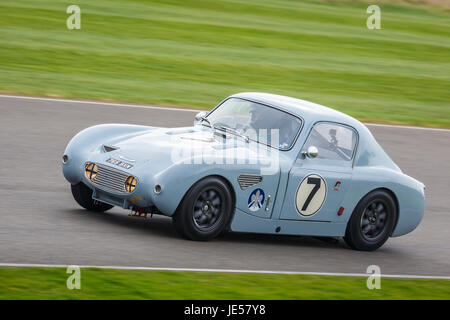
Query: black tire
[
  {"x": 205, "y": 210},
  {"x": 372, "y": 221},
  {"x": 83, "y": 196}
]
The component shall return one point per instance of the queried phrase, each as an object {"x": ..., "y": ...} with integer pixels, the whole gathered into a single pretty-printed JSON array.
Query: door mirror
[
  {"x": 312, "y": 152},
  {"x": 198, "y": 117}
]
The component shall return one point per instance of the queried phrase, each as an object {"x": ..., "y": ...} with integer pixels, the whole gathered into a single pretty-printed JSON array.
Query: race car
[{"x": 257, "y": 163}]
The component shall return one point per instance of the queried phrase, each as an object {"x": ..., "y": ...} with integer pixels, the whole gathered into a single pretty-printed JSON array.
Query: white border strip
[
  {"x": 183, "y": 109},
  {"x": 405, "y": 127},
  {"x": 99, "y": 103},
  {"x": 364, "y": 275}
]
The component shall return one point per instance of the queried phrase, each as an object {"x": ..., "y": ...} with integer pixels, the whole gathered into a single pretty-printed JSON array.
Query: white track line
[
  {"x": 31, "y": 265},
  {"x": 113, "y": 104},
  {"x": 406, "y": 127},
  {"x": 182, "y": 109}
]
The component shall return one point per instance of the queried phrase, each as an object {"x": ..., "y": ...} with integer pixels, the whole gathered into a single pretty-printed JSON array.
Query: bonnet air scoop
[{"x": 107, "y": 148}]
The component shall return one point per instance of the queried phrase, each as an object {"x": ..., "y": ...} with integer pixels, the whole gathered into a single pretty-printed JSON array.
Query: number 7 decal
[
  {"x": 316, "y": 182},
  {"x": 310, "y": 195}
]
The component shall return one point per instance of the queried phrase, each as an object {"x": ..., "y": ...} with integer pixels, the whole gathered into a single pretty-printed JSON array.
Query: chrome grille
[
  {"x": 110, "y": 179},
  {"x": 248, "y": 180}
]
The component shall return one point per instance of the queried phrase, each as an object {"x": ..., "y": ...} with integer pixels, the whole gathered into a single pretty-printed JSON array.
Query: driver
[
  {"x": 261, "y": 119},
  {"x": 258, "y": 120}
]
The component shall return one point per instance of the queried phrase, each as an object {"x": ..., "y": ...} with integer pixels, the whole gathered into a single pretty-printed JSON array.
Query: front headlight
[
  {"x": 90, "y": 171},
  {"x": 130, "y": 184}
]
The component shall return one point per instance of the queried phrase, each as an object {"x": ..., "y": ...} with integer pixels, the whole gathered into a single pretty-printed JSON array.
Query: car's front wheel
[
  {"x": 83, "y": 196},
  {"x": 205, "y": 210},
  {"x": 372, "y": 221}
]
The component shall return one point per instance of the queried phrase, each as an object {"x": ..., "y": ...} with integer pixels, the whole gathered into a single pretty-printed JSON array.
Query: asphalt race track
[{"x": 41, "y": 223}]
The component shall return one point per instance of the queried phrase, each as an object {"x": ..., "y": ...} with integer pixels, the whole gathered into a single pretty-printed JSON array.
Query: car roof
[
  {"x": 369, "y": 152},
  {"x": 307, "y": 110}
]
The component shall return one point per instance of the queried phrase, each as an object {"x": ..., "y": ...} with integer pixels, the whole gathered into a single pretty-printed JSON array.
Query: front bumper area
[
  {"x": 119, "y": 201},
  {"x": 136, "y": 199},
  {"x": 109, "y": 185},
  {"x": 108, "y": 178}
]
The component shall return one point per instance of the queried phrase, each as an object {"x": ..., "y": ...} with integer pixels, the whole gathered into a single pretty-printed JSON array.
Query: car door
[{"x": 317, "y": 185}]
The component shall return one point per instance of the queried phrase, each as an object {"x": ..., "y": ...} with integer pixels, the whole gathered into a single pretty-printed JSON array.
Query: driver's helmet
[{"x": 258, "y": 120}]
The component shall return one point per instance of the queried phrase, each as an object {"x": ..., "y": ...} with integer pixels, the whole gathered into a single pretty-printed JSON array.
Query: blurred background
[{"x": 194, "y": 53}]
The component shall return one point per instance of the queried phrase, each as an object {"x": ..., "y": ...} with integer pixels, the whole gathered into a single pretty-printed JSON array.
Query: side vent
[
  {"x": 109, "y": 148},
  {"x": 248, "y": 180}
]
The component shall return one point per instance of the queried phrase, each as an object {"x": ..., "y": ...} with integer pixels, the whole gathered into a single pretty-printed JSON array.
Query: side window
[{"x": 334, "y": 141}]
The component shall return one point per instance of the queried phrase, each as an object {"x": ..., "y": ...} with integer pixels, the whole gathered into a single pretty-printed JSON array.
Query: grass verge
[
  {"x": 194, "y": 53},
  {"x": 50, "y": 283}
]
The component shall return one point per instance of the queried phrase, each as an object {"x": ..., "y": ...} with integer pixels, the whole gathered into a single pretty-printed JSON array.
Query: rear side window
[{"x": 334, "y": 141}]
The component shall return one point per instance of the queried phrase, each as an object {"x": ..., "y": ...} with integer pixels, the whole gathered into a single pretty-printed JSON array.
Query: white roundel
[{"x": 310, "y": 195}]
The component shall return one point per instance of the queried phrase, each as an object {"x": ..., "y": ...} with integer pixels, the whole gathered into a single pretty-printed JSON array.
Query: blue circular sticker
[{"x": 256, "y": 200}]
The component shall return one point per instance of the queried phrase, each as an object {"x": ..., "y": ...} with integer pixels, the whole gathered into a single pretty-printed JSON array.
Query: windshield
[{"x": 256, "y": 121}]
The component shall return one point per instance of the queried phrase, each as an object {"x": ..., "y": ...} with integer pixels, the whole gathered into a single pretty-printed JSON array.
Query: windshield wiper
[
  {"x": 227, "y": 129},
  {"x": 207, "y": 121}
]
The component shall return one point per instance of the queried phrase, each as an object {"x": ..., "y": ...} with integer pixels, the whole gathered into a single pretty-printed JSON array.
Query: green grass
[
  {"x": 50, "y": 283},
  {"x": 196, "y": 52}
]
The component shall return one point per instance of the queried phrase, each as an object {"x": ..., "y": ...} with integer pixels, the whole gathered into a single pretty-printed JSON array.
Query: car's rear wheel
[
  {"x": 83, "y": 196},
  {"x": 205, "y": 210},
  {"x": 372, "y": 221}
]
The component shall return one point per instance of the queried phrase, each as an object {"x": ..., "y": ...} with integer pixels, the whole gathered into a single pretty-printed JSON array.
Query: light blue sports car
[{"x": 255, "y": 163}]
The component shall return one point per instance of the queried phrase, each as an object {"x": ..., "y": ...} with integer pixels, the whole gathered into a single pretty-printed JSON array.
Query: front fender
[
  {"x": 175, "y": 182},
  {"x": 176, "y": 179}
]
